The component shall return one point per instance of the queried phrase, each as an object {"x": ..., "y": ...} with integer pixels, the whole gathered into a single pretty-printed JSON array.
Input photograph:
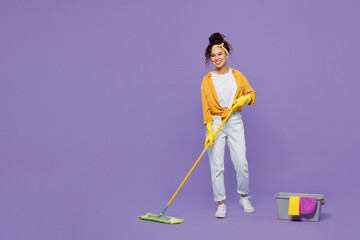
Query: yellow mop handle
[{"x": 197, "y": 161}]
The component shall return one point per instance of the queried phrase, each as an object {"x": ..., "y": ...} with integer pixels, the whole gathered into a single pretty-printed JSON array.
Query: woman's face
[{"x": 218, "y": 57}]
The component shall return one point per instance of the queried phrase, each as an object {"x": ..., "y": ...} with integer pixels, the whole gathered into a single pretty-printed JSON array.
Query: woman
[{"x": 224, "y": 89}]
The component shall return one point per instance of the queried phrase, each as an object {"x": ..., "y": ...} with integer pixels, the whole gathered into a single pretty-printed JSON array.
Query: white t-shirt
[{"x": 225, "y": 87}]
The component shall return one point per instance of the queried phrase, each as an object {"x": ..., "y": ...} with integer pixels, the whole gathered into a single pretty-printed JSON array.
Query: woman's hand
[
  {"x": 241, "y": 101},
  {"x": 209, "y": 135}
]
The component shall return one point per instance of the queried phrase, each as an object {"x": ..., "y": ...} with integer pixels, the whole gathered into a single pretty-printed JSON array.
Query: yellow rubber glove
[
  {"x": 209, "y": 135},
  {"x": 239, "y": 102}
]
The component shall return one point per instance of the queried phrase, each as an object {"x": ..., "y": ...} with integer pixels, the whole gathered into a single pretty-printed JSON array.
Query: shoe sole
[
  {"x": 220, "y": 216},
  {"x": 249, "y": 211}
]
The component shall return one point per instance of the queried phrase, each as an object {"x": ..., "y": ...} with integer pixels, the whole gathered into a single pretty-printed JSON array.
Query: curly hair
[{"x": 215, "y": 39}]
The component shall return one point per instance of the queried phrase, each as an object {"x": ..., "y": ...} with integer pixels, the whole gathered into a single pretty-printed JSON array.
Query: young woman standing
[{"x": 224, "y": 89}]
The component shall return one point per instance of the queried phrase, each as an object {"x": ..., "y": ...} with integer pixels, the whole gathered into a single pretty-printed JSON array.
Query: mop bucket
[{"x": 282, "y": 205}]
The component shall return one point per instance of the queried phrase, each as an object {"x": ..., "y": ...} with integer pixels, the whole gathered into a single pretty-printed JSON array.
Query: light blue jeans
[{"x": 232, "y": 133}]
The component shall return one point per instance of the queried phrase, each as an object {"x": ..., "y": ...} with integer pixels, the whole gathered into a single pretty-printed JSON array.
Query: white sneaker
[
  {"x": 221, "y": 211},
  {"x": 245, "y": 203}
]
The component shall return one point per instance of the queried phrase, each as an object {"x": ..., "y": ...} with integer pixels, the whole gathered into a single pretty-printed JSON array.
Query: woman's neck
[{"x": 224, "y": 69}]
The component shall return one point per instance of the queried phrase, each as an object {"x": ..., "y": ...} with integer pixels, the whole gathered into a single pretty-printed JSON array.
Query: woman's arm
[
  {"x": 248, "y": 89},
  {"x": 205, "y": 104}
]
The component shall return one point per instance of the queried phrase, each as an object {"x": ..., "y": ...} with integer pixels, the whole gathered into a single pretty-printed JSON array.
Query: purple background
[{"x": 101, "y": 116}]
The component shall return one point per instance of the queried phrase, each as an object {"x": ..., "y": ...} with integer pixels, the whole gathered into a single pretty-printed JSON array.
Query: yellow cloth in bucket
[{"x": 294, "y": 205}]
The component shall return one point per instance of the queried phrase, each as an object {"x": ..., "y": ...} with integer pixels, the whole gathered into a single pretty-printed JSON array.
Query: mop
[{"x": 173, "y": 220}]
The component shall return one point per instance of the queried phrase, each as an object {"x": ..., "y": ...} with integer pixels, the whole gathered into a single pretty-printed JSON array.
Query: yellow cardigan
[{"x": 210, "y": 101}]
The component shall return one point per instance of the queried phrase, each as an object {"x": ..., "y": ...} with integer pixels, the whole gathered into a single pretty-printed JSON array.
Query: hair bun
[{"x": 216, "y": 37}]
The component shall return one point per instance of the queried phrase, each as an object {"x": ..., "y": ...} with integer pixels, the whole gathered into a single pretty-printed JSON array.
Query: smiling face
[{"x": 218, "y": 57}]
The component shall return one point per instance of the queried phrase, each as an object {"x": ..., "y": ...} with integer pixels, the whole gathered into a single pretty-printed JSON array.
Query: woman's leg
[
  {"x": 236, "y": 144},
  {"x": 216, "y": 154}
]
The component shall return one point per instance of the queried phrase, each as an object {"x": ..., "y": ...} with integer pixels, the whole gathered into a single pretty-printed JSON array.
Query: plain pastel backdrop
[{"x": 101, "y": 116}]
